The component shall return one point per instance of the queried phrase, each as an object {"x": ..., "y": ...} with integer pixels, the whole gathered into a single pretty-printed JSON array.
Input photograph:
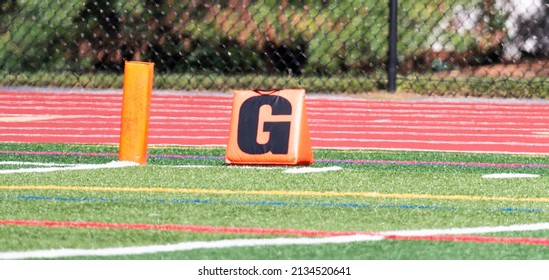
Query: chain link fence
[{"x": 479, "y": 47}]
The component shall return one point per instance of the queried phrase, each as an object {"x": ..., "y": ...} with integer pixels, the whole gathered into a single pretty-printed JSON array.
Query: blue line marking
[{"x": 272, "y": 203}]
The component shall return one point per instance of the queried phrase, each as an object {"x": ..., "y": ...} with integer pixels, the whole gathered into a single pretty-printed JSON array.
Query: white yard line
[
  {"x": 34, "y": 163},
  {"x": 257, "y": 167},
  {"x": 473, "y": 230},
  {"x": 232, "y": 243},
  {"x": 50, "y": 167},
  {"x": 114, "y": 164},
  {"x": 302, "y": 170},
  {"x": 509, "y": 176},
  {"x": 184, "y": 246}
]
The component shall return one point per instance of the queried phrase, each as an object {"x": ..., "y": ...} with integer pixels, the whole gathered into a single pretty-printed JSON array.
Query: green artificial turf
[{"x": 164, "y": 198}]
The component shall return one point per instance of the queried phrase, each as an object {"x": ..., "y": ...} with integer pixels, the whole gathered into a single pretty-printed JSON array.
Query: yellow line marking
[
  {"x": 284, "y": 193},
  {"x": 541, "y": 132}
]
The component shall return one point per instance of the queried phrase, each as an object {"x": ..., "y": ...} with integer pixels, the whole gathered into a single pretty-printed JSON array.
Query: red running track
[{"x": 203, "y": 119}]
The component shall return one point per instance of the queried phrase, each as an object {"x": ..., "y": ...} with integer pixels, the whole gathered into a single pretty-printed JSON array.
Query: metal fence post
[{"x": 392, "y": 55}]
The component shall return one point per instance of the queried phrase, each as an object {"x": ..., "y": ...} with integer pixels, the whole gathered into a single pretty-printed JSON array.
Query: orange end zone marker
[
  {"x": 270, "y": 128},
  {"x": 136, "y": 100}
]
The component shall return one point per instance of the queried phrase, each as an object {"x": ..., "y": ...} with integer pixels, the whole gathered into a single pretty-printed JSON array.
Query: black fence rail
[{"x": 479, "y": 47}]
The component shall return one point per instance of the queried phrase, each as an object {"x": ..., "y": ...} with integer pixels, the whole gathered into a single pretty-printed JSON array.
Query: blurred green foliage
[
  {"x": 270, "y": 36},
  {"x": 228, "y": 41}
]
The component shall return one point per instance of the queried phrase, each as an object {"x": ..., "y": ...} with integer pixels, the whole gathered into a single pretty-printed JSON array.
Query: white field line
[
  {"x": 359, "y": 121},
  {"x": 183, "y": 118},
  {"x": 256, "y": 167},
  {"x": 115, "y": 97},
  {"x": 117, "y": 129},
  {"x": 183, "y": 166},
  {"x": 449, "y": 134},
  {"x": 331, "y": 147},
  {"x": 328, "y": 111},
  {"x": 103, "y": 136},
  {"x": 311, "y": 113},
  {"x": 303, "y": 170},
  {"x": 34, "y": 163},
  {"x": 312, "y": 104},
  {"x": 40, "y": 130},
  {"x": 87, "y": 104},
  {"x": 178, "y": 121},
  {"x": 448, "y": 103},
  {"x": 509, "y": 176},
  {"x": 473, "y": 230},
  {"x": 338, "y": 140},
  {"x": 117, "y": 117},
  {"x": 184, "y": 246},
  {"x": 234, "y": 243},
  {"x": 114, "y": 164},
  {"x": 425, "y": 110},
  {"x": 221, "y": 128},
  {"x": 490, "y": 124},
  {"x": 174, "y": 106},
  {"x": 514, "y": 143},
  {"x": 395, "y": 106},
  {"x": 396, "y": 126},
  {"x": 418, "y": 115},
  {"x": 366, "y": 124},
  {"x": 30, "y": 118},
  {"x": 116, "y": 110},
  {"x": 31, "y": 115},
  {"x": 421, "y": 124},
  {"x": 311, "y": 101},
  {"x": 224, "y": 97}
]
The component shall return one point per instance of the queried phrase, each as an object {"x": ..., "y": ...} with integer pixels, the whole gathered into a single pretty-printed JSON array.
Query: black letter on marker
[{"x": 248, "y": 123}]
